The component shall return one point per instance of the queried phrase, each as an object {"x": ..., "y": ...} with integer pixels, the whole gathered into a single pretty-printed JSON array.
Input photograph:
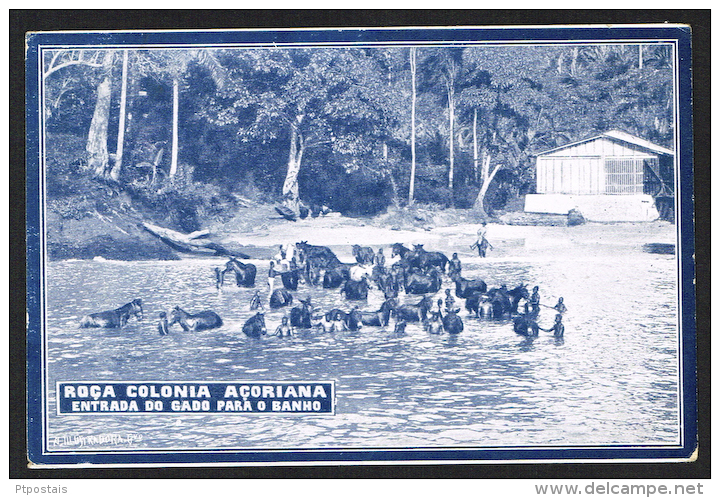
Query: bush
[{"x": 183, "y": 204}]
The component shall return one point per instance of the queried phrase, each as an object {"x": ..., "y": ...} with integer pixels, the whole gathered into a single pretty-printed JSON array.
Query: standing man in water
[
  {"x": 271, "y": 277},
  {"x": 558, "y": 328},
  {"x": 454, "y": 266},
  {"x": 481, "y": 244}
]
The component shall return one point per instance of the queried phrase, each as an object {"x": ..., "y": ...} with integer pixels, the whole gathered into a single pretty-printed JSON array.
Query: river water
[{"x": 613, "y": 379}]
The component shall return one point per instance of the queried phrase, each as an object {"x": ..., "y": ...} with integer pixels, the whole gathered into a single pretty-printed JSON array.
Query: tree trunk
[
  {"x": 451, "y": 109},
  {"x": 487, "y": 178},
  {"x": 97, "y": 135},
  {"x": 115, "y": 172},
  {"x": 475, "y": 145},
  {"x": 174, "y": 153},
  {"x": 573, "y": 64},
  {"x": 413, "y": 71},
  {"x": 291, "y": 191}
]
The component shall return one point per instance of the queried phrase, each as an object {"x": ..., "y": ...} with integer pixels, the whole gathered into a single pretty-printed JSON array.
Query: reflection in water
[{"x": 611, "y": 379}]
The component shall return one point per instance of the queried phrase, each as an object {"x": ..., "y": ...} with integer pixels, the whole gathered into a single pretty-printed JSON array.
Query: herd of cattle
[{"x": 414, "y": 271}]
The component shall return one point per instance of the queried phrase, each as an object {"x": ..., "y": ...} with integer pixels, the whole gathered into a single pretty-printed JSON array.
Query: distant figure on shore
[
  {"x": 560, "y": 306},
  {"x": 558, "y": 328},
  {"x": 454, "y": 266},
  {"x": 481, "y": 244}
]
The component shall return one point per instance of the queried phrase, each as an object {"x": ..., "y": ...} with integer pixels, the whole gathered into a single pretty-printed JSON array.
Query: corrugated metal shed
[
  {"x": 616, "y": 142},
  {"x": 613, "y": 163}
]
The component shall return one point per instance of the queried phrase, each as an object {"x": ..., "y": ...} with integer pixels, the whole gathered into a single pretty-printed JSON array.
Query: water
[{"x": 613, "y": 379}]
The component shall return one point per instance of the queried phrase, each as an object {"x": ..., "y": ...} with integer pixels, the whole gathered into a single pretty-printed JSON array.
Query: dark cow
[
  {"x": 419, "y": 283},
  {"x": 244, "y": 273},
  {"x": 414, "y": 312},
  {"x": 356, "y": 291},
  {"x": 381, "y": 317},
  {"x": 315, "y": 259},
  {"x": 290, "y": 279},
  {"x": 465, "y": 288},
  {"x": 114, "y": 319},
  {"x": 335, "y": 277},
  {"x": 300, "y": 316},
  {"x": 399, "y": 250},
  {"x": 280, "y": 298},
  {"x": 426, "y": 259},
  {"x": 344, "y": 321},
  {"x": 525, "y": 325},
  {"x": 363, "y": 255},
  {"x": 193, "y": 322},
  {"x": 255, "y": 326},
  {"x": 452, "y": 323},
  {"x": 400, "y": 327}
]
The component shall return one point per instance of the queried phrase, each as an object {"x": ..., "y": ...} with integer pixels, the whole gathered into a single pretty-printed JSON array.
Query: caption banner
[{"x": 198, "y": 397}]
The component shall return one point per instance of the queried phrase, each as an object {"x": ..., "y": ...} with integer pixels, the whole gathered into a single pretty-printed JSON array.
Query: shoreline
[{"x": 340, "y": 233}]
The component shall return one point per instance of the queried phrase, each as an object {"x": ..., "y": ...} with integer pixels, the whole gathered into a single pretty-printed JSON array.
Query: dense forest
[{"x": 188, "y": 133}]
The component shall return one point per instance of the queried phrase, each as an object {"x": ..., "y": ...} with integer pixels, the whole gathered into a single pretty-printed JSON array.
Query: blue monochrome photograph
[{"x": 258, "y": 247}]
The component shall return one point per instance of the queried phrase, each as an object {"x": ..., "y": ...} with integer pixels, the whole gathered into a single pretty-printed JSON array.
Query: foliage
[{"x": 334, "y": 123}]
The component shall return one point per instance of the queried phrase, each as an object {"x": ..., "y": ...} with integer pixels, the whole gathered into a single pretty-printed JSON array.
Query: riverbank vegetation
[{"x": 188, "y": 138}]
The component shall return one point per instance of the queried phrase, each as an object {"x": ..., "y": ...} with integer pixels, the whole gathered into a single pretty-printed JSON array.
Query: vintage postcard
[{"x": 343, "y": 246}]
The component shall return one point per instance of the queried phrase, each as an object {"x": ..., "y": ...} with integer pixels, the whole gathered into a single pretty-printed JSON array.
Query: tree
[
  {"x": 510, "y": 90},
  {"x": 117, "y": 166},
  {"x": 413, "y": 72},
  {"x": 96, "y": 148},
  {"x": 310, "y": 99},
  {"x": 443, "y": 68}
]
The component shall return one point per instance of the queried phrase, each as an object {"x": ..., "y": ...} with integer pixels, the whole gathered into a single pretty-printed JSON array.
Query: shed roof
[{"x": 620, "y": 136}]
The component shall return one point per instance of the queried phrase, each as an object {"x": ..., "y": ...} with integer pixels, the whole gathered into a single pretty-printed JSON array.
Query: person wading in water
[{"x": 481, "y": 244}]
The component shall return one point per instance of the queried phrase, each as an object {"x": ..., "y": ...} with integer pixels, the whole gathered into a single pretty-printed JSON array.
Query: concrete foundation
[{"x": 638, "y": 207}]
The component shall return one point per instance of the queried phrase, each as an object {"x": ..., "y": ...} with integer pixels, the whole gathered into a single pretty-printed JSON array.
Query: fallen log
[{"x": 195, "y": 242}]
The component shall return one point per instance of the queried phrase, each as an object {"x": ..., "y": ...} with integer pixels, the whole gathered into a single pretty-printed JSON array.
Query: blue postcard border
[{"x": 34, "y": 240}]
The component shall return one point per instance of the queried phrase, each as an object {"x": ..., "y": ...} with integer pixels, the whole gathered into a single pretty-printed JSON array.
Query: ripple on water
[{"x": 613, "y": 378}]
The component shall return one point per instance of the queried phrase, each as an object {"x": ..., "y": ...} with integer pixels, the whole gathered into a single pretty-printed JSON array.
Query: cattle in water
[
  {"x": 356, "y": 291},
  {"x": 452, "y": 323},
  {"x": 525, "y": 325},
  {"x": 114, "y": 319},
  {"x": 290, "y": 279},
  {"x": 418, "y": 257},
  {"x": 465, "y": 288},
  {"x": 381, "y": 317},
  {"x": 388, "y": 282},
  {"x": 244, "y": 273},
  {"x": 430, "y": 259},
  {"x": 363, "y": 255},
  {"x": 419, "y": 283},
  {"x": 414, "y": 312},
  {"x": 255, "y": 326},
  {"x": 315, "y": 259},
  {"x": 344, "y": 321},
  {"x": 335, "y": 277},
  {"x": 194, "y": 322},
  {"x": 400, "y": 327},
  {"x": 300, "y": 316},
  {"x": 280, "y": 298}
]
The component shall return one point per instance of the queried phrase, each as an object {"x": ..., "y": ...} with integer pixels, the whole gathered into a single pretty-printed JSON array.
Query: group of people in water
[{"x": 416, "y": 266}]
